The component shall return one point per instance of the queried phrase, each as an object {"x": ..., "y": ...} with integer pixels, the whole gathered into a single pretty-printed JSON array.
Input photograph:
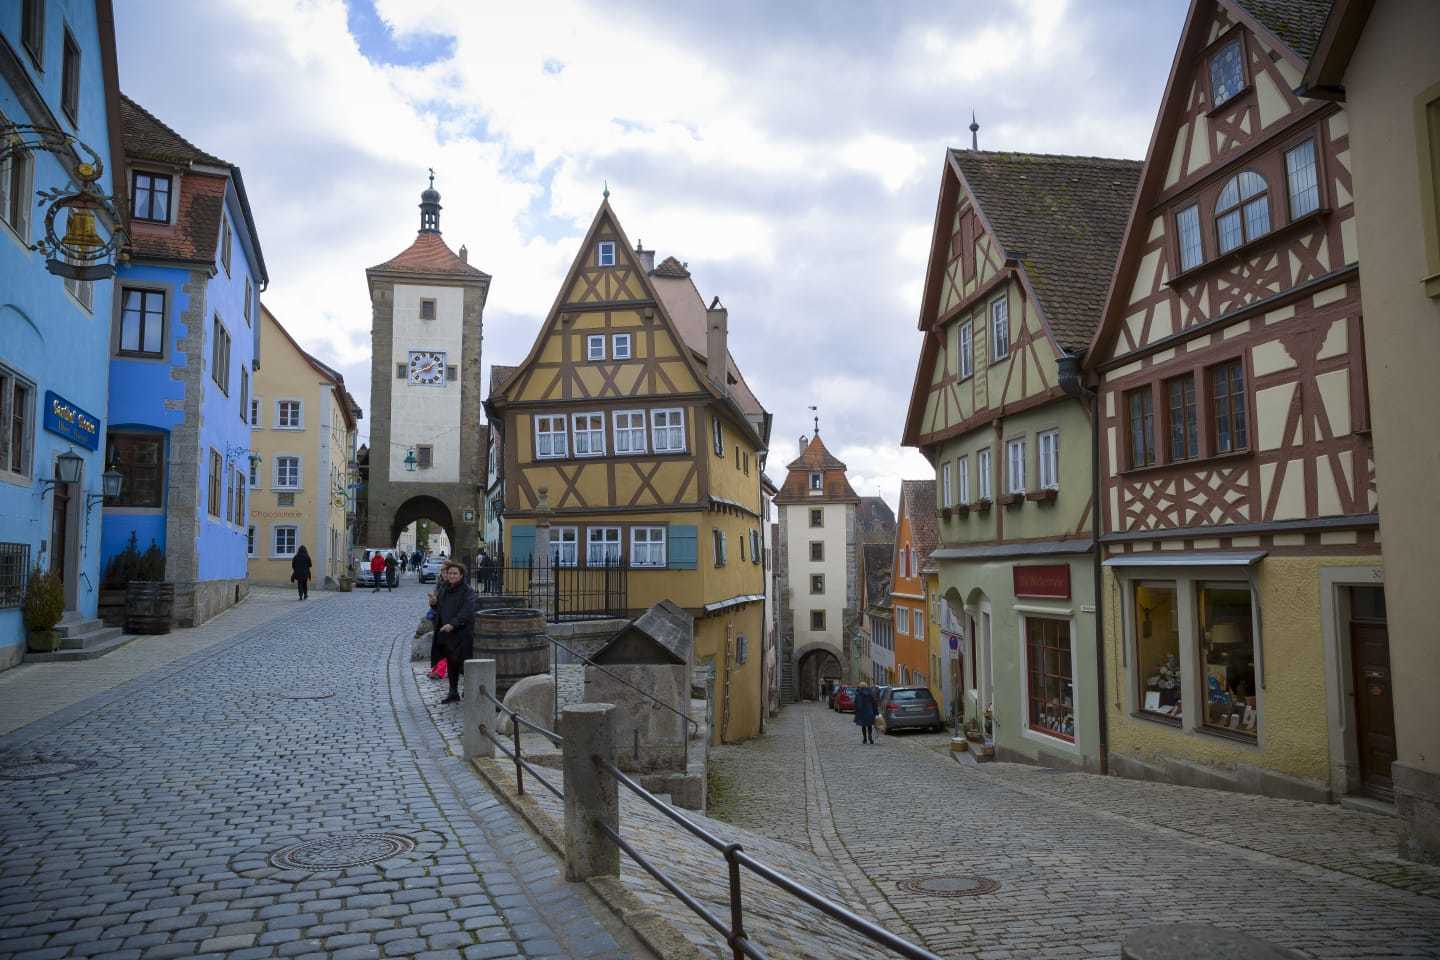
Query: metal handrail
[
  {"x": 521, "y": 764},
  {"x": 735, "y": 858}
]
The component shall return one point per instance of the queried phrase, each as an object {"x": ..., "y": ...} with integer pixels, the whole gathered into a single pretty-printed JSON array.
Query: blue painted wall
[{"x": 46, "y": 336}]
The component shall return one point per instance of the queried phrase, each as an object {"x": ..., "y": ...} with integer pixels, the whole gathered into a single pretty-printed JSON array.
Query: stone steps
[{"x": 106, "y": 640}]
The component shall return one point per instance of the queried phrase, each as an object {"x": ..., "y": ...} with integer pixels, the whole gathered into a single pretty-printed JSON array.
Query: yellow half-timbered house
[{"x": 630, "y": 429}]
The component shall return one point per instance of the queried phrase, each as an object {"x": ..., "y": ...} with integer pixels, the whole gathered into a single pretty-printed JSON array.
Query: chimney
[
  {"x": 804, "y": 442},
  {"x": 717, "y": 339},
  {"x": 464, "y": 254},
  {"x": 646, "y": 258}
]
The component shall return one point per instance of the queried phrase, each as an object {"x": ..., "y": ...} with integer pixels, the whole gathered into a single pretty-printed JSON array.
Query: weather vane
[
  {"x": 432, "y": 178},
  {"x": 607, "y": 189},
  {"x": 814, "y": 409}
]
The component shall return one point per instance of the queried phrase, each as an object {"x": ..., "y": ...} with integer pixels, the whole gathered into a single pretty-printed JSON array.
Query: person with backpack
[
  {"x": 455, "y": 623},
  {"x": 300, "y": 566}
]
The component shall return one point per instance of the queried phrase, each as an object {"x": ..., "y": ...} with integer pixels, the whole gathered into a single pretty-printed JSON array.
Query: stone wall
[
  {"x": 182, "y": 502},
  {"x": 196, "y": 601},
  {"x": 648, "y": 737}
]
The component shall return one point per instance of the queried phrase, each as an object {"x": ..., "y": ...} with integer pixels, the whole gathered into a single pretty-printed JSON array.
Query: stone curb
[{"x": 651, "y": 928}]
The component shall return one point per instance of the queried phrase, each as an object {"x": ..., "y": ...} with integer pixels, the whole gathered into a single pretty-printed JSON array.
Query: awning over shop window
[{"x": 1219, "y": 558}]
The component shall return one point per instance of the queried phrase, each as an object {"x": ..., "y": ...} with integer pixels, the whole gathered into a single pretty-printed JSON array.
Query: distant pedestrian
[
  {"x": 486, "y": 572},
  {"x": 377, "y": 569},
  {"x": 404, "y": 559},
  {"x": 865, "y": 710},
  {"x": 455, "y": 617},
  {"x": 300, "y": 571},
  {"x": 416, "y": 559},
  {"x": 391, "y": 568}
]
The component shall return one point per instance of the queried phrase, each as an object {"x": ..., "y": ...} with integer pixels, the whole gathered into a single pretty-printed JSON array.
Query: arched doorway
[
  {"x": 816, "y": 667},
  {"x": 425, "y": 508}
]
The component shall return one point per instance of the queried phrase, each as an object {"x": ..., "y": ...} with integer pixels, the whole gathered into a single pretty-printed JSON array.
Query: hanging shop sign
[
  {"x": 1049, "y": 581},
  {"x": 67, "y": 420}
]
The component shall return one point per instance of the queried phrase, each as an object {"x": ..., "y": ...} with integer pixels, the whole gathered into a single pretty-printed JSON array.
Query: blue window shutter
[
  {"x": 680, "y": 551},
  {"x": 522, "y": 545}
]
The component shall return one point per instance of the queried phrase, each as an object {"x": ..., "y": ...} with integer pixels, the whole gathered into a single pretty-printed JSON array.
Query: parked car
[
  {"x": 844, "y": 699},
  {"x": 430, "y": 569},
  {"x": 903, "y": 708},
  {"x": 362, "y": 569}
]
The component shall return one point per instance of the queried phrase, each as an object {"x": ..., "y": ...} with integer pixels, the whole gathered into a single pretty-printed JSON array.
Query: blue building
[
  {"x": 57, "y": 71},
  {"x": 185, "y": 341}
]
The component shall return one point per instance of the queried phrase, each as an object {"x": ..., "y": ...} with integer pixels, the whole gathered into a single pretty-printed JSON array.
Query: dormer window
[
  {"x": 605, "y": 256},
  {"x": 1243, "y": 211},
  {"x": 151, "y": 197},
  {"x": 1227, "y": 72},
  {"x": 815, "y": 482}
]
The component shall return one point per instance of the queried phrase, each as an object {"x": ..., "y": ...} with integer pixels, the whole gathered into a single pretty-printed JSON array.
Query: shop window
[
  {"x": 139, "y": 458},
  {"x": 1050, "y": 689},
  {"x": 1227, "y": 657},
  {"x": 1156, "y": 621}
]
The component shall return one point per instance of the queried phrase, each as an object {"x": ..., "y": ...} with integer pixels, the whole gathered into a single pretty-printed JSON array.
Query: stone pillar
[
  {"x": 478, "y": 710},
  {"x": 591, "y": 795},
  {"x": 542, "y": 584},
  {"x": 1197, "y": 941}
]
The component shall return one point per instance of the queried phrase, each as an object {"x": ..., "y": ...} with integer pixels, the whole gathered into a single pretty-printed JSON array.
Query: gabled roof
[
  {"x": 147, "y": 138},
  {"x": 429, "y": 254},
  {"x": 879, "y": 558},
  {"x": 1296, "y": 23},
  {"x": 499, "y": 376},
  {"x": 349, "y": 408},
  {"x": 917, "y": 504},
  {"x": 1062, "y": 219},
  {"x": 877, "y": 521},
  {"x": 672, "y": 268},
  {"x": 686, "y": 307}
]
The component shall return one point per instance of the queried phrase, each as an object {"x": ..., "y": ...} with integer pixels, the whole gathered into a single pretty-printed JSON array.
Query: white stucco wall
[
  {"x": 426, "y": 414},
  {"x": 798, "y": 535}
]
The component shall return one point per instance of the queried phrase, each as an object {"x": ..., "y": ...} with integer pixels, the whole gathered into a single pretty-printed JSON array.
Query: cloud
[{"x": 790, "y": 153}]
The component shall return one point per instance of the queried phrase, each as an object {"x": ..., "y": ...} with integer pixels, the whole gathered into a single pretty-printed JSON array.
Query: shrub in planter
[{"x": 43, "y": 607}]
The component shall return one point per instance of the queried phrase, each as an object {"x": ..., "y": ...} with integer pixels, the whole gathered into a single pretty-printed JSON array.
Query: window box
[
  {"x": 945, "y": 512},
  {"x": 982, "y": 505},
  {"x": 962, "y": 509},
  {"x": 1012, "y": 499},
  {"x": 1042, "y": 496}
]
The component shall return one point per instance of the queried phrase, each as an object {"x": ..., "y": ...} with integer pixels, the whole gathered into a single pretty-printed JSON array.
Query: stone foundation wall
[{"x": 196, "y": 601}]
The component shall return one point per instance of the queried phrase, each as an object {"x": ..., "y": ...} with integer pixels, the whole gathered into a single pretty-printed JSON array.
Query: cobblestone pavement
[
  {"x": 1078, "y": 859},
  {"x": 145, "y": 819}
]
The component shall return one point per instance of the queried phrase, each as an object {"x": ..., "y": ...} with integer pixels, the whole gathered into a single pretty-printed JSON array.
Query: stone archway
[
  {"x": 815, "y": 666},
  {"x": 426, "y": 508}
]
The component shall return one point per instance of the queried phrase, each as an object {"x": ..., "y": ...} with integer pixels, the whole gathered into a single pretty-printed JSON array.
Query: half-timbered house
[
  {"x": 1242, "y": 563},
  {"x": 630, "y": 430},
  {"x": 1020, "y": 259}
]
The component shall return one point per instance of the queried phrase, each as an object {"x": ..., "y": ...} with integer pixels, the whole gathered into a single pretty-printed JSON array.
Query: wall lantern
[
  {"x": 83, "y": 253},
  {"x": 410, "y": 461},
  {"x": 111, "y": 481},
  {"x": 68, "y": 468}
]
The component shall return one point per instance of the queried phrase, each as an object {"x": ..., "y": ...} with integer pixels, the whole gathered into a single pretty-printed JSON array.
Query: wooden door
[
  {"x": 59, "y": 526},
  {"x": 1374, "y": 707}
]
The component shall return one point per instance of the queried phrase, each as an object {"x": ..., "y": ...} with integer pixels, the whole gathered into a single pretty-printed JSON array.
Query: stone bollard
[
  {"x": 1197, "y": 941},
  {"x": 478, "y": 710},
  {"x": 591, "y": 795}
]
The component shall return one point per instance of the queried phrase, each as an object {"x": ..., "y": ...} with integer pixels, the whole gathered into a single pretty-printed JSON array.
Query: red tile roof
[
  {"x": 917, "y": 503},
  {"x": 147, "y": 138},
  {"x": 834, "y": 484},
  {"x": 429, "y": 254}
]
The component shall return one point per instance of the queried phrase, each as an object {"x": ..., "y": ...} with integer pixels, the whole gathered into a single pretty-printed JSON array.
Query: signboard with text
[
  {"x": 1049, "y": 581},
  {"x": 67, "y": 420}
]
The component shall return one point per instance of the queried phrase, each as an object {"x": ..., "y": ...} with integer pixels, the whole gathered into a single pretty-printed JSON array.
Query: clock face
[{"x": 427, "y": 367}]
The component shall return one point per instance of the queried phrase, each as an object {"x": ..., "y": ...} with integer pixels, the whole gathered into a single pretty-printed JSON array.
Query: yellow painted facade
[
  {"x": 320, "y": 434},
  {"x": 616, "y": 430}
]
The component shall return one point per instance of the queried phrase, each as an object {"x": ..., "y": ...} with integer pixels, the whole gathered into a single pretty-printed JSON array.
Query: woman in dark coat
[
  {"x": 455, "y": 623},
  {"x": 300, "y": 571},
  {"x": 865, "y": 710}
]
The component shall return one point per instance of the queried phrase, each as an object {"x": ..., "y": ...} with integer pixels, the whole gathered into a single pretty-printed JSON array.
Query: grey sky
[{"x": 790, "y": 153}]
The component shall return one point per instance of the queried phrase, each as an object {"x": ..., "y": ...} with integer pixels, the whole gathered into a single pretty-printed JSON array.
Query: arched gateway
[{"x": 426, "y": 458}]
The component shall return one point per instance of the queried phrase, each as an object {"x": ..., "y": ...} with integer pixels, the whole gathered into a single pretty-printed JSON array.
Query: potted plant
[
  {"x": 346, "y": 583},
  {"x": 118, "y": 572},
  {"x": 43, "y": 607},
  {"x": 149, "y": 598}
]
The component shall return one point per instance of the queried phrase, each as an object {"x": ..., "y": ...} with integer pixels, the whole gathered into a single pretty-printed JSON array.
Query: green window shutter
[
  {"x": 522, "y": 545},
  {"x": 680, "y": 550}
]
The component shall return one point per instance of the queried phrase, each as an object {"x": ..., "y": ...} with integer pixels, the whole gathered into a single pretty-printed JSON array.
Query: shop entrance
[
  {"x": 1374, "y": 703},
  {"x": 63, "y": 554}
]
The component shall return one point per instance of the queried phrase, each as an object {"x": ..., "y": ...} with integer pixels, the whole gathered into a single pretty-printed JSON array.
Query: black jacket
[
  {"x": 300, "y": 567},
  {"x": 456, "y": 607}
]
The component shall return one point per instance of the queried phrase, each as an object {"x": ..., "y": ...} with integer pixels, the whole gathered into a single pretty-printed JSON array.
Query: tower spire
[
  {"x": 430, "y": 207},
  {"x": 974, "y": 132},
  {"x": 816, "y": 411}
]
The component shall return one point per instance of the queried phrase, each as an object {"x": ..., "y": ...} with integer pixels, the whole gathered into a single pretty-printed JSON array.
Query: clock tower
[{"x": 426, "y": 459}]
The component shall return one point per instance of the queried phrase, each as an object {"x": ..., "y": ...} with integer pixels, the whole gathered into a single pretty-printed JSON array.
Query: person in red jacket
[{"x": 377, "y": 568}]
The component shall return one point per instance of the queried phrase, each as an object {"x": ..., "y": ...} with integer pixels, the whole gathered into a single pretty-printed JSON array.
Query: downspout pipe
[{"x": 1072, "y": 383}]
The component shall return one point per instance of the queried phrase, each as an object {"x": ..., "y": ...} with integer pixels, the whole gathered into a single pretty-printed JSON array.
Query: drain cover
[
  {"x": 345, "y": 850},
  {"x": 951, "y": 886},
  {"x": 305, "y": 693},
  {"x": 35, "y": 768}
]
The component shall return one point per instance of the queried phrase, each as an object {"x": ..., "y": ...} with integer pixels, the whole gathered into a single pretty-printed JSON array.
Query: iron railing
[
  {"x": 521, "y": 764},
  {"x": 591, "y": 592},
  {"x": 14, "y": 573},
  {"x": 735, "y": 858}
]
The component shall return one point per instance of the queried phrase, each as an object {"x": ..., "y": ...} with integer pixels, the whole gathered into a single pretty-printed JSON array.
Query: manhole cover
[
  {"x": 304, "y": 693},
  {"x": 347, "y": 850},
  {"x": 951, "y": 886},
  {"x": 35, "y": 768}
]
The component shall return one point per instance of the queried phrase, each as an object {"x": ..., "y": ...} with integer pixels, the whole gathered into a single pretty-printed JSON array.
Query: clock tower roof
[{"x": 430, "y": 254}]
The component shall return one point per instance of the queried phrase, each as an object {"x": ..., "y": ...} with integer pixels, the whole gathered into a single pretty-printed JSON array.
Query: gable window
[
  {"x": 967, "y": 349},
  {"x": 945, "y": 489},
  {"x": 667, "y": 430},
  {"x": 284, "y": 540},
  {"x": 220, "y": 357},
  {"x": 287, "y": 473},
  {"x": 139, "y": 458},
  {"x": 1180, "y": 418},
  {"x": 717, "y": 539},
  {"x": 1187, "y": 228},
  {"x": 717, "y": 436},
  {"x": 1243, "y": 211},
  {"x": 595, "y": 347},
  {"x": 550, "y": 436},
  {"x": 605, "y": 254},
  {"x": 142, "y": 323},
  {"x": 817, "y": 551},
  {"x": 629, "y": 431},
  {"x": 962, "y": 474},
  {"x": 1227, "y": 394},
  {"x": 212, "y": 485},
  {"x": 1015, "y": 454},
  {"x": 289, "y": 414},
  {"x": 427, "y": 308},
  {"x": 620, "y": 346},
  {"x": 424, "y": 456},
  {"x": 254, "y": 411},
  {"x": 15, "y": 203},
  {"x": 983, "y": 472},
  {"x": 152, "y": 197},
  {"x": 817, "y": 619},
  {"x": 602, "y": 546},
  {"x": 1000, "y": 329},
  {"x": 1140, "y": 427},
  {"x": 1227, "y": 73},
  {"x": 815, "y": 482},
  {"x": 565, "y": 546},
  {"x": 244, "y": 394},
  {"x": 589, "y": 434},
  {"x": 1302, "y": 179},
  {"x": 1049, "y": 459},
  {"x": 647, "y": 546},
  {"x": 817, "y": 583},
  {"x": 32, "y": 29},
  {"x": 225, "y": 245},
  {"x": 817, "y": 517},
  {"x": 70, "y": 78}
]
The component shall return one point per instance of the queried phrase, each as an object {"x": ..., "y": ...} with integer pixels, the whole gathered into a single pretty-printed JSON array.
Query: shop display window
[
  {"x": 1051, "y": 689},
  {"x": 1227, "y": 657},
  {"x": 1157, "y": 648}
]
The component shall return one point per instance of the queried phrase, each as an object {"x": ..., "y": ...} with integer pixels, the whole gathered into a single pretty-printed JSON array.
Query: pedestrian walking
[
  {"x": 865, "y": 710},
  {"x": 391, "y": 566},
  {"x": 455, "y": 619},
  {"x": 416, "y": 559},
  {"x": 404, "y": 559},
  {"x": 377, "y": 569},
  {"x": 486, "y": 573},
  {"x": 300, "y": 571}
]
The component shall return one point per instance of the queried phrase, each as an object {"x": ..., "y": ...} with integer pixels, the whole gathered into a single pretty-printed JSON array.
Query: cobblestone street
[
  {"x": 148, "y": 820},
  {"x": 1076, "y": 860}
]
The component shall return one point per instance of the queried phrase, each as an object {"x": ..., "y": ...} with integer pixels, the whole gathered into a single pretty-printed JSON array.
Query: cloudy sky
[{"x": 789, "y": 152}]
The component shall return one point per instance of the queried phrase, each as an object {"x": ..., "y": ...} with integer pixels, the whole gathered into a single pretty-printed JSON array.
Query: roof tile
[
  {"x": 917, "y": 503},
  {"x": 429, "y": 254},
  {"x": 1298, "y": 23}
]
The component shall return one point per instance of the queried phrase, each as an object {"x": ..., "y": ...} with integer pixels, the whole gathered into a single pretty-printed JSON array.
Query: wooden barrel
[
  {"x": 499, "y": 601},
  {"x": 514, "y": 637},
  {"x": 149, "y": 606}
]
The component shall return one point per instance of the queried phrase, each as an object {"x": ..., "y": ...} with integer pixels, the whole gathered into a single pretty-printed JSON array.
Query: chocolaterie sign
[{"x": 1050, "y": 581}]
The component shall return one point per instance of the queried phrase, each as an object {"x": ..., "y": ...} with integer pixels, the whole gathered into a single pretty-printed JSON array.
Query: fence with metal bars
[{"x": 592, "y": 592}]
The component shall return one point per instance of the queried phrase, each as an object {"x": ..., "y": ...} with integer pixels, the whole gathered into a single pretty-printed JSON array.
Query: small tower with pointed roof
[{"x": 427, "y": 460}]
